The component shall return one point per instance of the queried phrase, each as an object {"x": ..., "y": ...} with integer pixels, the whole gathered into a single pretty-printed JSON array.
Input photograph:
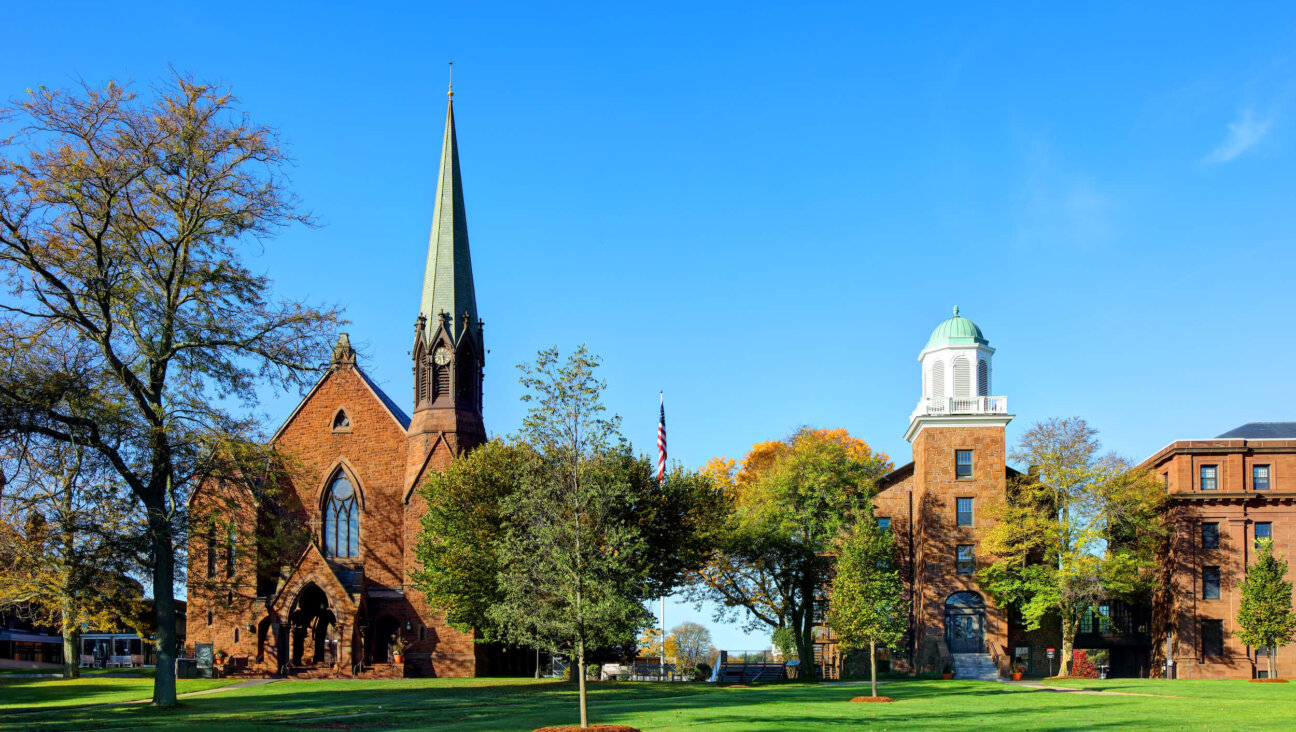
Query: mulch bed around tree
[
  {"x": 872, "y": 699},
  {"x": 1268, "y": 681},
  {"x": 591, "y": 728}
]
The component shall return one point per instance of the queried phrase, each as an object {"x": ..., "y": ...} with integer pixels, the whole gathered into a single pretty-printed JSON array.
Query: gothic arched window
[
  {"x": 983, "y": 378},
  {"x": 341, "y": 421},
  {"x": 341, "y": 520}
]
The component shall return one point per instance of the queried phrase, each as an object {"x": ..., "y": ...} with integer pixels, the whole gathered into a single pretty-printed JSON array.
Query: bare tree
[{"x": 123, "y": 223}]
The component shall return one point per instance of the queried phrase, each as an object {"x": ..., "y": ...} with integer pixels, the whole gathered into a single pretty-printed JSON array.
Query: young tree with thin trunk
[
  {"x": 1265, "y": 614},
  {"x": 1081, "y": 527},
  {"x": 585, "y": 535},
  {"x": 789, "y": 502},
  {"x": 123, "y": 227},
  {"x": 866, "y": 605}
]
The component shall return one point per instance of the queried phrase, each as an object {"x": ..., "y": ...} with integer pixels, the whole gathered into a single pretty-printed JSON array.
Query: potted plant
[
  {"x": 947, "y": 672},
  {"x": 220, "y": 658},
  {"x": 398, "y": 651},
  {"x": 1018, "y": 670}
]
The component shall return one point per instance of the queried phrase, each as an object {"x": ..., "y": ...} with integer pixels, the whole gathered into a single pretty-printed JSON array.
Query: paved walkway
[{"x": 1036, "y": 686}]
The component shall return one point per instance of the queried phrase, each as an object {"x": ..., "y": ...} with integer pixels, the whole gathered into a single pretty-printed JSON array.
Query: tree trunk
[
  {"x": 537, "y": 670},
  {"x": 1068, "y": 644},
  {"x": 71, "y": 639},
  {"x": 164, "y": 682},
  {"x": 580, "y": 669},
  {"x": 873, "y": 665},
  {"x": 805, "y": 634},
  {"x": 71, "y": 633},
  {"x": 1273, "y": 661}
]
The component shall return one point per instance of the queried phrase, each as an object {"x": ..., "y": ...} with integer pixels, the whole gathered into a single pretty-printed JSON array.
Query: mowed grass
[
  {"x": 18, "y": 693},
  {"x": 520, "y": 705}
]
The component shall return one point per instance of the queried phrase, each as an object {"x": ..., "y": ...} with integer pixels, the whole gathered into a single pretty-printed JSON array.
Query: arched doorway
[
  {"x": 965, "y": 623},
  {"x": 311, "y": 621},
  {"x": 386, "y": 630}
]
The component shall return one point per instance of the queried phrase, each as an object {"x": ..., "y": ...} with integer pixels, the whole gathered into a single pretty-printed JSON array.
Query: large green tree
[
  {"x": 556, "y": 538},
  {"x": 1080, "y": 527},
  {"x": 133, "y": 326},
  {"x": 1265, "y": 614},
  {"x": 69, "y": 541},
  {"x": 866, "y": 605},
  {"x": 789, "y": 502}
]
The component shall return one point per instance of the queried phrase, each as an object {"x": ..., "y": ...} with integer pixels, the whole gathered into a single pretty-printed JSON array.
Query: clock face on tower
[{"x": 441, "y": 356}]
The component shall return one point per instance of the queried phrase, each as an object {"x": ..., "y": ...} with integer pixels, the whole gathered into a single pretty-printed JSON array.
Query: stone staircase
[{"x": 975, "y": 667}]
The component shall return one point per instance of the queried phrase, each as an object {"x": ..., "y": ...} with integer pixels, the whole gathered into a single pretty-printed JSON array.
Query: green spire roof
[
  {"x": 448, "y": 283},
  {"x": 956, "y": 331}
]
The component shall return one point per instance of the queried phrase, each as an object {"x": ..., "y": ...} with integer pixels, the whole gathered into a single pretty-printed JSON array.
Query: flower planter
[
  {"x": 947, "y": 677},
  {"x": 398, "y": 658},
  {"x": 1016, "y": 676}
]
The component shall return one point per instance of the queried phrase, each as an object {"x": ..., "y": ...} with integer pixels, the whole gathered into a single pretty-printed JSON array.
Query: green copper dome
[{"x": 957, "y": 331}]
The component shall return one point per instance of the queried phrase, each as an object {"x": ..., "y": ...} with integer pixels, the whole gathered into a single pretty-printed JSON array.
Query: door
[{"x": 966, "y": 633}]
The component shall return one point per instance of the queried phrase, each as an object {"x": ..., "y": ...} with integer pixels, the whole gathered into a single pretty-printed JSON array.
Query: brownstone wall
[{"x": 1236, "y": 507}]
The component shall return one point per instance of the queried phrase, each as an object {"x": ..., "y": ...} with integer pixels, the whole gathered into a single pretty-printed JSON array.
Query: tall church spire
[{"x": 448, "y": 280}]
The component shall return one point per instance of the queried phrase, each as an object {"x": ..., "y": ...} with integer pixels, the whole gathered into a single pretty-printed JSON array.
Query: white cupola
[{"x": 956, "y": 374}]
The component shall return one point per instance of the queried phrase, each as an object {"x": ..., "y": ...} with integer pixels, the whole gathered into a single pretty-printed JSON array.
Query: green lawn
[
  {"x": 18, "y": 693},
  {"x": 522, "y": 705}
]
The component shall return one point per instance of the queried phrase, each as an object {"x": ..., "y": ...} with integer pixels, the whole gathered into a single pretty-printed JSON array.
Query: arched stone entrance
[
  {"x": 312, "y": 622},
  {"x": 965, "y": 623}
]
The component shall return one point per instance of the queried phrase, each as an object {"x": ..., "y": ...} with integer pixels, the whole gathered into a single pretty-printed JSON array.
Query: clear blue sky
[{"x": 764, "y": 208}]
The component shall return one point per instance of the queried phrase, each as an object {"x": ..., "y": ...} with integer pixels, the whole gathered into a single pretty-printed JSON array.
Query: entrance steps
[{"x": 975, "y": 667}]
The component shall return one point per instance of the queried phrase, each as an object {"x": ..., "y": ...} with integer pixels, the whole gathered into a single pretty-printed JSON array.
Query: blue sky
[{"x": 764, "y": 208}]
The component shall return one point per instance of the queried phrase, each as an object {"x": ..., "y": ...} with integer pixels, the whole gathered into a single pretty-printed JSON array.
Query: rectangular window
[
  {"x": 229, "y": 555},
  {"x": 1210, "y": 535},
  {"x": 1210, "y": 583},
  {"x": 1207, "y": 482},
  {"x": 1263, "y": 530},
  {"x": 884, "y": 523},
  {"x": 1165, "y": 478},
  {"x": 964, "y": 511},
  {"x": 1212, "y": 638},
  {"x": 211, "y": 553},
  {"x": 1260, "y": 477},
  {"x": 962, "y": 463},
  {"x": 965, "y": 560}
]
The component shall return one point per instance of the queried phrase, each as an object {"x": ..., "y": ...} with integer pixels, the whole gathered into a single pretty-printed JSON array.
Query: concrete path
[{"x": 1036, "y": 686}]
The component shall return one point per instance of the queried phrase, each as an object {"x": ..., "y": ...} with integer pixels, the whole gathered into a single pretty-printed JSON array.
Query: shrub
[
  {"x": 702, "y": 672},
  {"x": 566, "y": 676},
  {"x": 1082, "y": 667},
  {"x": 593, "y": 672}
]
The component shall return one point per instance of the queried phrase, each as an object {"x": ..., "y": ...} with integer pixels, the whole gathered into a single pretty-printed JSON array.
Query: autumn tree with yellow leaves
[{"x": 791, "y": 501}]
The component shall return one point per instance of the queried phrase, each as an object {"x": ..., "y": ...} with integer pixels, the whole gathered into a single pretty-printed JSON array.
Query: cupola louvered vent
[
  {"x": 938, "y": 380},
  {"x": 962, "y": 377},
  {"x": 983, "y": 378},
  {"x": 441, "y": 374}
]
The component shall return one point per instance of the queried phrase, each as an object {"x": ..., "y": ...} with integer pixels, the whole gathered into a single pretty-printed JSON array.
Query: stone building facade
[
  {"x": 353, "y": 460},
  {"x": 1226, "y": 493}
]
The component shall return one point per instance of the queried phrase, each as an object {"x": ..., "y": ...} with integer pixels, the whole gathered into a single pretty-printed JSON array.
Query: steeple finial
[
  {"x": 450, "y": 93},
  {"x": 956, "y": 311}
]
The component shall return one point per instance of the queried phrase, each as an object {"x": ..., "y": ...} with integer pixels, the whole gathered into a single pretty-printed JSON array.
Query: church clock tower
[{"x": 448, "y": 353}]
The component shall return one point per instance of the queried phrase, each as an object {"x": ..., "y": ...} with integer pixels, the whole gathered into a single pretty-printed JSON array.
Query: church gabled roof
[{"x": 448, "y": 280}]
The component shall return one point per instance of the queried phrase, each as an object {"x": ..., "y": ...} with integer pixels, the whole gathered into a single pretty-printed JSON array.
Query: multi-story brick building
[
  {"x": 354, "y": 462},
  {"x": 1226, "y": 493},
  {"x": 935, "y": 504}
]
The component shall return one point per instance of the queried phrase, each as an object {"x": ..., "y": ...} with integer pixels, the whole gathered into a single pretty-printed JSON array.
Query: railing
[{"x": 961, "y": 405}]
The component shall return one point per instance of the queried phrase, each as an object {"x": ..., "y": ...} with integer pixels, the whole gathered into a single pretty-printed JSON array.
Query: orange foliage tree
[{"x": 790, "y": 501}]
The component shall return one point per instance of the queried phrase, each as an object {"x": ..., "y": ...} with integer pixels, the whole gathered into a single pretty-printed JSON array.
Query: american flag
[{"x": 661, "y": 442}]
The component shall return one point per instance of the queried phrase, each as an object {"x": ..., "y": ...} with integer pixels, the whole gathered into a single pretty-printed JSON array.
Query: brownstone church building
[{"x": 355, "y": 459}]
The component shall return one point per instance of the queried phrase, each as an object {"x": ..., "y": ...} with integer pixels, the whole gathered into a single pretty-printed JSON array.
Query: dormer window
[
  {"x": 341, "y": 422},
  {"x": 341, "y": 520}
]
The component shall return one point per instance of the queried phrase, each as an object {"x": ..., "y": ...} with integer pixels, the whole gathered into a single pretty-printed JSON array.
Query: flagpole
[{"x": 661, "y": 478}]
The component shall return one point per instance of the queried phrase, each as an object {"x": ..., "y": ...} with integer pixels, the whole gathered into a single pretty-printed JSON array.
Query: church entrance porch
[{"x": 313, "y": 629}]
